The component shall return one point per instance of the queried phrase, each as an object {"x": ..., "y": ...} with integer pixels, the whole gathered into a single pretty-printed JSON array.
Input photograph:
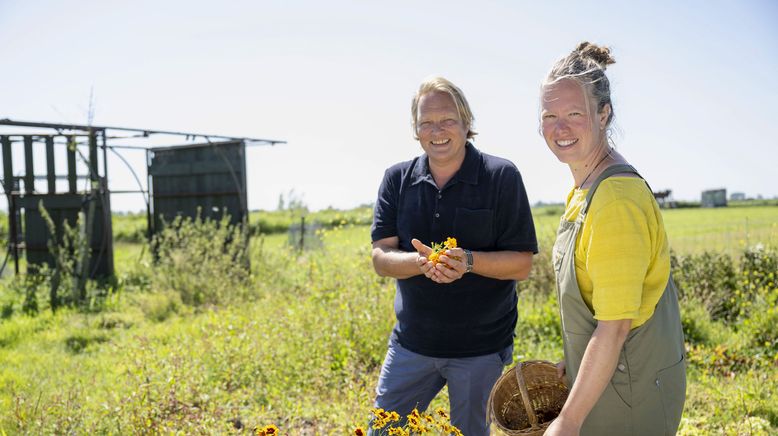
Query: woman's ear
[{"x": 605, "y": 114}]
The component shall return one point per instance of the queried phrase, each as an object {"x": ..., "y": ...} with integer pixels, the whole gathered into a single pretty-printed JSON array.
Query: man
[{"x": 456, "y": 318}]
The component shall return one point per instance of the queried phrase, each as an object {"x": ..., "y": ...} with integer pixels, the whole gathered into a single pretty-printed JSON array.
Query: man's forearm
[
  {"x": 502, "y": 265},
  {"x": 391, "y": 262}
]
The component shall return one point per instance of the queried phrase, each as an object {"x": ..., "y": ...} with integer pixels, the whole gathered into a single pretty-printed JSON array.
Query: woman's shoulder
[{"x": 621, "y": 190}]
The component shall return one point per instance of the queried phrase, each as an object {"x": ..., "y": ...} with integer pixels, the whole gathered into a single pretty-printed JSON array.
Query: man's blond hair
[{"x": 441, "y": 84}]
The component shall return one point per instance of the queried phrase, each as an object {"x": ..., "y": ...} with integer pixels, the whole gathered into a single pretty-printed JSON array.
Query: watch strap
[{"x": 468, "y": 261}]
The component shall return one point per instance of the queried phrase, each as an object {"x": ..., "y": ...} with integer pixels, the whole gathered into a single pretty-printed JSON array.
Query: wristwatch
[{"x": 468, "y": 261}]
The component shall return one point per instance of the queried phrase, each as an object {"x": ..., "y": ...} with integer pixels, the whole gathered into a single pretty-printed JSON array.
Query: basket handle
[{"x": 533, "y": 419}]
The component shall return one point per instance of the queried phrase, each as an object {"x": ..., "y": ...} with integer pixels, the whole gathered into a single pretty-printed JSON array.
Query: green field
[{"x": 299, "y": 342}]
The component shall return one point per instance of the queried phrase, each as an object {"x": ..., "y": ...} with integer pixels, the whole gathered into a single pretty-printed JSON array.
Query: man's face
[{"x": 442, "y": 133}]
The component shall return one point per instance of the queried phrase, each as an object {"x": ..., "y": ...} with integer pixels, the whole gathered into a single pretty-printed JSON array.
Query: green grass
[
  {"x": 723, "y": 230},
  {"x": 301, "y": 345},
  {"x": 726, "y": 230}
]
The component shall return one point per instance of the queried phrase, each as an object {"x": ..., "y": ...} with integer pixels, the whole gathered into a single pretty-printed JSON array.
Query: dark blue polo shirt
[{"x": 485, "y": 207}]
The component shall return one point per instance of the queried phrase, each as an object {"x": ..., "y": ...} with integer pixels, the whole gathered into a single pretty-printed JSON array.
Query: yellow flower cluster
[
  {"x": 268, "y": 430},
  {"x": 382, "y": 417},
  {"x": 418, "y": 423},
  {"x": 439, "y": 248}
]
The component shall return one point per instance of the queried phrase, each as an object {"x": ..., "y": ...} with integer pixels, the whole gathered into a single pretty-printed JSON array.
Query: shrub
[
  {"x": 204, "y": 261},
  {"x": 698, "y": 328},
  {"x": 709, "y": 279}
]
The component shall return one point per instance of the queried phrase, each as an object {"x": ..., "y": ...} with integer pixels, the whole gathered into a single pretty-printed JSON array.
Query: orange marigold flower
[{"x": 440, "y": 248}]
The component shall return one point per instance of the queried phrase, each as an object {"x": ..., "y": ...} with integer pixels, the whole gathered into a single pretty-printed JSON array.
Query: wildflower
[
  {"x": 268, "y": 430},
  {"x": 442, "y": 413},
  {"x": 359, "y": 431},
  {"x": 440, "y": 248},
  {"x": 382, "y": 418},
  {"x": 399, "y": 431},
  {"x": 415, "y": 422}
]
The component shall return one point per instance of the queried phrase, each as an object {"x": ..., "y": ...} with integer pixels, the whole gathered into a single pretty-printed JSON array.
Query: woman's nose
[{"x": 561, "y": 124}]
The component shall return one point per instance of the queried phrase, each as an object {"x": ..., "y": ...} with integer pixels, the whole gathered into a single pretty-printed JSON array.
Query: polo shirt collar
[{"x": 468, "y": 172}]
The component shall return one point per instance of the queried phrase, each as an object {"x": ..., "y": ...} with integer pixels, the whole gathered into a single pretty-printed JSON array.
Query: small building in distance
[
  {"x": 737, "y": 196},
  {"x": 714, "y": 198},
  {"x": 665, "y": 199}
]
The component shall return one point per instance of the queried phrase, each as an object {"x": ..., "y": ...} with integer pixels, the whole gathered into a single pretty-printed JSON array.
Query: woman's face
[{"x": 570, "y": 130}]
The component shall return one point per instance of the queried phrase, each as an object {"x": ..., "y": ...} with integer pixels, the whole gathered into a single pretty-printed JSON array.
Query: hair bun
[{"x": 601, "y": 55}]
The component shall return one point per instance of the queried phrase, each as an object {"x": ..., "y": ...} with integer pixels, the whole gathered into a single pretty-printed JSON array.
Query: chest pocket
[{"x": 474, "y": 228}]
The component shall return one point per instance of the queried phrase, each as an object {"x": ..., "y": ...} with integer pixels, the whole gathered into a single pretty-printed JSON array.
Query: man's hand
[
  {"x": 447, "y": 269},
  {"x": 426, "y": 266},
  {"x": 451, "y": 266}
]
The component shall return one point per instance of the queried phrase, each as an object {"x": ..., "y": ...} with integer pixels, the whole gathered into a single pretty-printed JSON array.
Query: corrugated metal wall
[
  {"x": 65, "y": 208},
  {"x": 209, "y": 177}
]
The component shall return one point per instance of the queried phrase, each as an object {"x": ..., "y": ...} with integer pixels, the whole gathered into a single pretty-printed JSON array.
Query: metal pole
[
  {"x": 150, "y": 229},
  {"x": 8, "y": 171},
  {"x": 72, "y": 188},
  {"x": 50, "y": 171},
  {"x": 29, "y": 176},
  {"x": 13, "y": 236}
]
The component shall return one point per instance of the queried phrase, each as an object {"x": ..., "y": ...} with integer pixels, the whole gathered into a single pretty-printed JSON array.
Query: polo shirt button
[
  {"x": 440, "y": 196},
  {"x": 622, "y": 367},
  {"x": 437, "y": 215}
]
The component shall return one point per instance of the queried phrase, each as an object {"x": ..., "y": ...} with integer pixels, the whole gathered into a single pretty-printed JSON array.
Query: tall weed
[{"x": 202, "y": 260}]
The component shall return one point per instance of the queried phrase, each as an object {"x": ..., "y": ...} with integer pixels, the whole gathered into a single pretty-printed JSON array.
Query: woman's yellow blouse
[{"x": 622, "y": 258}]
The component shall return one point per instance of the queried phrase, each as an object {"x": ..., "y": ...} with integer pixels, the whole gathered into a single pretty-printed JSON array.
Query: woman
[{"x": 623, "y": 342}]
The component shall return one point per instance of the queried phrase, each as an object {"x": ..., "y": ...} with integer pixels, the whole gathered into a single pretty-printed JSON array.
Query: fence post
[{"x": 302, "y": 233}]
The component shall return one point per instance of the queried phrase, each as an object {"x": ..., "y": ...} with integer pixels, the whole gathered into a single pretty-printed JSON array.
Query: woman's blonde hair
[
  {"x": 586, "y": 65},
  {"x": 440, "y": 84}
]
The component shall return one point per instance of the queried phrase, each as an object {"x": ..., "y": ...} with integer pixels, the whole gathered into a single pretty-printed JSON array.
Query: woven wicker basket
[{"x": 527, "y": 398}]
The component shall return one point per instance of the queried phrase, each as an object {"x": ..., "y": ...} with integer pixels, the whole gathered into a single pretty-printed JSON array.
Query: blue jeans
[{"x": 409, "y": 380}]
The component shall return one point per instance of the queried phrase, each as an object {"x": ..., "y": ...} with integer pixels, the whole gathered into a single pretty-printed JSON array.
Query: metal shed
[
  {"x": 714, "y": 198},
  {"x": 209, "y": 177},
  {"x": 208, "y": 180}
]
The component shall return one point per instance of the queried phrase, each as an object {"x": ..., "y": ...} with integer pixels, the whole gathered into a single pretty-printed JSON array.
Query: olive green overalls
[{"x": 648, "y": 388}]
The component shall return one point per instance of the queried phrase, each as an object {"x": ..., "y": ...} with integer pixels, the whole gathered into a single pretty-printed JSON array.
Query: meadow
[{"x": 194, "y": 344}]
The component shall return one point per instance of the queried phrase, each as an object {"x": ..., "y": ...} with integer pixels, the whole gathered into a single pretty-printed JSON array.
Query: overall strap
[{"x": 611, "y": 170}]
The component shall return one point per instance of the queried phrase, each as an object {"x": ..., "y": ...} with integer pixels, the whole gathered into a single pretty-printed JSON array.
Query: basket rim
[{"x": 517, "y": 371}]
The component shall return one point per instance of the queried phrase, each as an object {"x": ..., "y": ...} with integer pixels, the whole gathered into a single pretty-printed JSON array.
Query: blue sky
[{"x": 693, "y": 86}]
